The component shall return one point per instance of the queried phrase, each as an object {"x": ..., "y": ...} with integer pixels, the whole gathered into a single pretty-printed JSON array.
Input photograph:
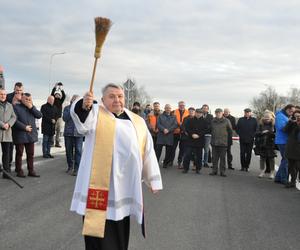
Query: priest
[{"x": 118, "y": 156}]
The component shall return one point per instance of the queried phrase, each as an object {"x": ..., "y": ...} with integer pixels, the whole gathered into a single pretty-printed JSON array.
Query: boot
[
  {"x": 33, "y": 174},
  {"x": 272, "y": 175},
  {"x": 20, "y": 174},
  {"x": 262, "y": 174}
]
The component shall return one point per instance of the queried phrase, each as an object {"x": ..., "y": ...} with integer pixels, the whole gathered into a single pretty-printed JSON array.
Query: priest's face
[{"x": 113, "y": 99}]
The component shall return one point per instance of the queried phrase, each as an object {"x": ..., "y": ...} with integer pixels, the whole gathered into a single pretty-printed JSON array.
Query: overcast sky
[{"x": 201, "y": 51}]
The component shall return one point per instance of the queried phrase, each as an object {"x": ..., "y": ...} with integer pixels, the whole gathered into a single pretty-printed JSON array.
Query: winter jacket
[
  {"x": 220, "y": 130},
  {"x": 280, "y": 121},
  {"x": 292, "y": 148},
  {"x": 10, "y": 97},
  {"x": 184, "y": 135},
  {"x": 25, "y": 117},
  {"x": 246, "y": 129},
  {"x": 7, "y": 115},
  {"x": 70, "y": 129},
  {"x": 264, "y": 141},
  {"x": 195, "y": 126},
  {"x": 208, "y": 118},
  {"x": 49, "y": 112},
  {"x": 169, "y": 122}
]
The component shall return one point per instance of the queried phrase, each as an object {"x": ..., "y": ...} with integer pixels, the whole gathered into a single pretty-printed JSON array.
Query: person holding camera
[
  {"x": 25, "y": 133},
  {"x": 281, "y": 137},
  {"x": 292, "y": 151},
  {"x": 59, "y": 98}
]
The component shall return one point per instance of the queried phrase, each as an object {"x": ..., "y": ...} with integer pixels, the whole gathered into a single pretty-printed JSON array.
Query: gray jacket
[
  {"x": 7, "y": 115},
  {"x": 220, "y": 130},
  {"x": 166, "y": 122}
]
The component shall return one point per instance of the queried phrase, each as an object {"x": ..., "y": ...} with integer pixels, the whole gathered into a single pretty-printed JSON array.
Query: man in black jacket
[
  {"x": 246, "y": 128},
  {"x": 48, "y": 125},
  {"x": 25, "y": 133},
  {"x": 18, "y": 89},
  {"x": 233, "y": 126},
  {"x": 195, "y": 129}
]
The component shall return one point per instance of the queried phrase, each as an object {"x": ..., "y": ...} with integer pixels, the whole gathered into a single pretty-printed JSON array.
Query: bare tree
[
  {"x": 140, "y": 95},
  {"x": 135, "y": 93},
  {"x": 294, "y": 96},
  {"x": 268, "y": 99}
]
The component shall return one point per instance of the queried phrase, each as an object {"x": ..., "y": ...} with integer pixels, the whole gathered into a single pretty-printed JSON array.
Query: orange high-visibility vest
[
  {"x": 152, "y": 119},
  {"x": 179, "y": 121}
]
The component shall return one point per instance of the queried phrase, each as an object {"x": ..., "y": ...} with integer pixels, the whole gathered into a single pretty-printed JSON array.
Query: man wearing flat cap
[
  {"x": 246, "y": 128},
  {"x": 220, "y": 131},
  {"x": 195, "y": 129}
]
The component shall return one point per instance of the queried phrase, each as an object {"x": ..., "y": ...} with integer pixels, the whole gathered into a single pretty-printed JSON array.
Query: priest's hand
[
  {"x": 88, "y": 100},
  {"x": 195, "y": 136}
]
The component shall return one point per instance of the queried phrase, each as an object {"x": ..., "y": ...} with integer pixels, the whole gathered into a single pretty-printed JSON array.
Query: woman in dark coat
[
  {"x": 166, "y": 124},
  {"x": 265, "y": 145},
  {"x": 292, "y": 152}
]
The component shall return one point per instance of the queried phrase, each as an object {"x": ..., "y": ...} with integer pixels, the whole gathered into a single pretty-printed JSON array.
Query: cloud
[{"x": 220, "y": 52}]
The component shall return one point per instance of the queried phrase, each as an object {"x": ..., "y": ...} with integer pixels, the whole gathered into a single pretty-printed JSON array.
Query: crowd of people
[
  {"x": 202, "y": 138},
  {"x": 199, "y": 136},
  {"x": 19, "y": 130}
]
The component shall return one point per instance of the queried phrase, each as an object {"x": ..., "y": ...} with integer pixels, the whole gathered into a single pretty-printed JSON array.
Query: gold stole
[{"x": 97, "y": 198}]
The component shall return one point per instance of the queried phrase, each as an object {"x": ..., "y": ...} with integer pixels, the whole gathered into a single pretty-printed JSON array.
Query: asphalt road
[{"x": 193, "y": 211}]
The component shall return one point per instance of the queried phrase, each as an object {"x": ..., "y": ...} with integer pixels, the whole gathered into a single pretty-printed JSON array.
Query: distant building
[{"x": 2, "y": 82}]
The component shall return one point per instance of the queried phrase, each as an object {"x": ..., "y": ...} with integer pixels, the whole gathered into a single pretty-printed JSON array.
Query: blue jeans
[
  {"x": 46, "y": 145},
  {"x": 282, "y": 173},
  {"x": 73, "y": 143},
  {"x": 206, "y": 148}
]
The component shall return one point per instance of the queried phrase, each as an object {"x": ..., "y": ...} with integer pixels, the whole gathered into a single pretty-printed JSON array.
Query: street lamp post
[{"x": 50, "y": 64}]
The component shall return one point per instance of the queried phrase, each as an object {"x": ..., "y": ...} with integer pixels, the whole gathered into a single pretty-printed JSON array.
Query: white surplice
[{"x": 128, "y": 169}]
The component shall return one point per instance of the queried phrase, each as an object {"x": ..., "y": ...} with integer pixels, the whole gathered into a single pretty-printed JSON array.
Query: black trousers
[
  {"x": 168, "y": 155},
  {"x": 154, "y": 138},
  {"x": 245, "y": 154},
  {"x": 294, "y": 167},
  {"x": 218, "y": 155},
  {"x": 6, "y": 148},
  {"x": 268, "y": 166},
  {"x": 116, "y": 236},
  {"x": 177, "y": 140},
  {"x": 11, "y": 153},
  {"x": 193, "y": 153},
  {"x": 229, "y": 156}
]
